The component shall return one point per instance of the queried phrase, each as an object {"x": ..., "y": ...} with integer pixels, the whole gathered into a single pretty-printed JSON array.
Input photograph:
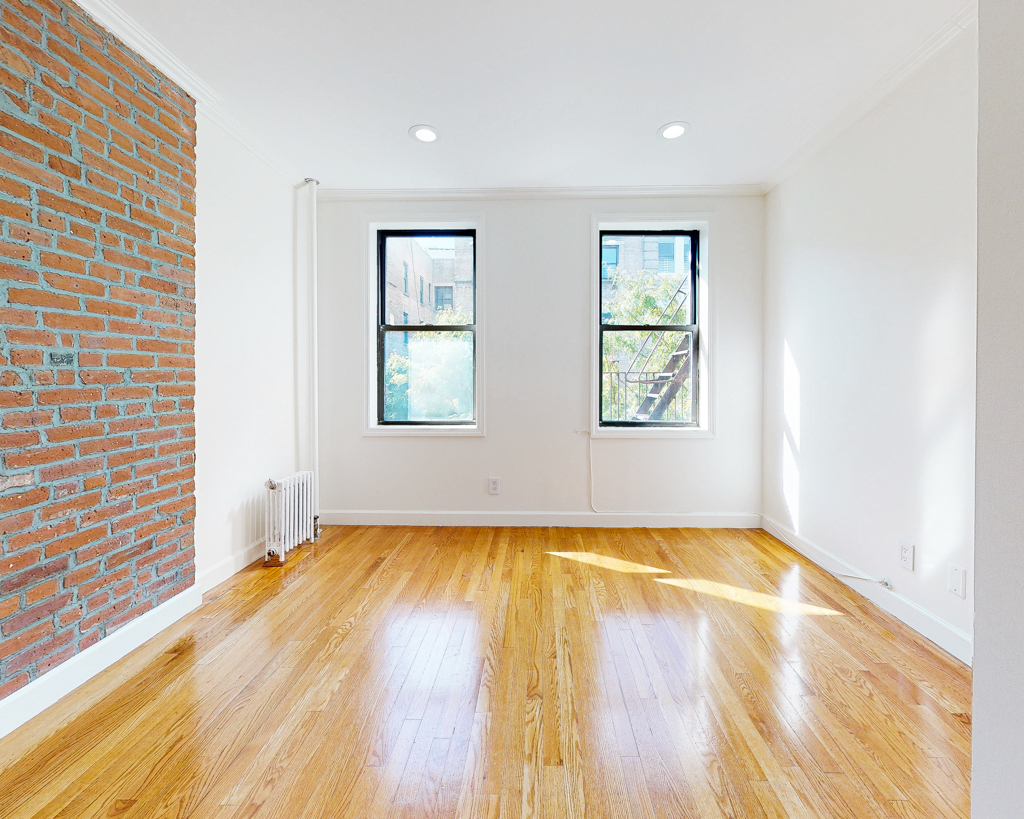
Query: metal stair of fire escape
[{"x": 666, "y": 385}]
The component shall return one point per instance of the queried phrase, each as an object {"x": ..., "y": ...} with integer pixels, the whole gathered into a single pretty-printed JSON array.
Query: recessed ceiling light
[
  {"x": 424, "y": 133},
  {"x": 673, "y": 130}
]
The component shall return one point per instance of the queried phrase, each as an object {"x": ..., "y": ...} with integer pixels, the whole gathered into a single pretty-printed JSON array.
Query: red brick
[
  {"x": 68, "y": 470},
  {"x": 71, "y": 433},
  {"x": 21, "y": 500},
  {"x": 42, "y": 666},
  {"x": 71, "y": 284},
  {"x": 42, "y": 298},
  {"x": 33, "y": 615},
  {"x": 12, "y": 645},
  {"x": 39, "y": 650},
  {"x": 81, "y": 396},
  {"x": 16, "y": 440},
  {"x": 15, "y": 523},
  {"x": 73, "y": 321},
  {"x": 106, "y": 613},
  {"x": 106, "y": 444},
  {"x": 69, "y": 507},
  {"x": 42, "y": 455},
  {"x": 42, "y": 591},
  {"x": 109, "y": 308}
]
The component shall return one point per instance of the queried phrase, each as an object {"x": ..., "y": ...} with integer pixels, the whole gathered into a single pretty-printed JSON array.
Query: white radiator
[{"x": 290, "y": 514}]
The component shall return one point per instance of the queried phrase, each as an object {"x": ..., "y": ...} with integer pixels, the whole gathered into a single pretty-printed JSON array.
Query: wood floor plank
[{"x": 479, "y": 673}]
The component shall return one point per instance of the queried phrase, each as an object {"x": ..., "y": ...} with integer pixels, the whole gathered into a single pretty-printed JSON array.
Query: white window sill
[
  {"x": 425, "y": 431},
  {"x": 651, "y": 432}
]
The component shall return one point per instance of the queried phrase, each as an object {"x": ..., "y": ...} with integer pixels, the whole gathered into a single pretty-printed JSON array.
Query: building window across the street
[
  {"x": 444, "y": 298},
  {"x": 426, "y": 367},
  {"x": 648, "y": 332}
]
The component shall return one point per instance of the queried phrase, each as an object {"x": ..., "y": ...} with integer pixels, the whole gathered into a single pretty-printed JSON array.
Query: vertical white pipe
[{"x": 311, "y": 186}]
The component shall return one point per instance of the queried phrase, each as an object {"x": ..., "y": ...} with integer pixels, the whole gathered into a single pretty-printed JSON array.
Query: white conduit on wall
[{"x": 314, "y": 420}]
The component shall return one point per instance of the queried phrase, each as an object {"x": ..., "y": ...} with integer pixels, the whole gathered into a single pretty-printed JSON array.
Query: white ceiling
[{"x": 537, "y": 93}]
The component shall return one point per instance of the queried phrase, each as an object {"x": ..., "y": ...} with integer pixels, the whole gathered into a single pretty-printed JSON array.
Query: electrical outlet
[
  {"x": 907, "y": 555},
  {"x": 493, "y": 486},
  {"x": 957, "y": 582}
]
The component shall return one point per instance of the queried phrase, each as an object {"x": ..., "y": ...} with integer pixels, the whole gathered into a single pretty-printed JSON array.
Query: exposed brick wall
[{"x": 97, "y": 306}]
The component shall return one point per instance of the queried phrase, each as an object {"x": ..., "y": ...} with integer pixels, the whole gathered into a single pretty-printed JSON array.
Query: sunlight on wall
[
  {"x": 791, "y": 437},
  {"x": 945, "y": 504},
  {"x": 604, "y": 562},
  {"x": 748, "y": 598}
]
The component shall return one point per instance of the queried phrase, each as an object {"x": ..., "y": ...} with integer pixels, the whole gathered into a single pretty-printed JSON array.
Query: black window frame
[
  {"x": 383, "y": 328},
  {"x": 693, "y": 327}
]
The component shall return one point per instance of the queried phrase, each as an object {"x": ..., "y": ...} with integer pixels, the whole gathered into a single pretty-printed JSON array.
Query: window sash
[
  {"x": 383, "y": 326},
  {"x": 691, "y": 328}
]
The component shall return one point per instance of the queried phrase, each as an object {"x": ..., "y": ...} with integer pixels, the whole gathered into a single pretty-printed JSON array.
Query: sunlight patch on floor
[
  {"x": 613, "y": 563},
  {"x": 749, "y": 598}
]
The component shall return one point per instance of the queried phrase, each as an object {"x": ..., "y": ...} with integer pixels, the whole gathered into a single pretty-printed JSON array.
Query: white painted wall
[
  {"x": 246, "y": 371},
  {"x": 869, "y": 346},
  {"x": 999, "y": 661},
  {"x": 536, "y": 315}
]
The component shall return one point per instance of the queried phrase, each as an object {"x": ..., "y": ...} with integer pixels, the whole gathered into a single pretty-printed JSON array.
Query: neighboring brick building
[{"x": 97, "y": 307}]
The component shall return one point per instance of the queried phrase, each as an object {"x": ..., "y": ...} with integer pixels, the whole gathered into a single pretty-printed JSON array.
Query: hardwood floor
[{"x": 471, "y": 672}]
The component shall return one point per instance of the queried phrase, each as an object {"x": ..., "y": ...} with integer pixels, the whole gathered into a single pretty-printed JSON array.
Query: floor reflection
[{"x": 757, "y": 600}]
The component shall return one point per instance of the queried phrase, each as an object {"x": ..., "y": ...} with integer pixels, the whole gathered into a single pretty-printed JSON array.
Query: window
[
  {"x": 405, "y": 278},
  {"x": 443, "y": 297},
  {"x": 426, "y": 370},
  {"x": 648, "y": 334},
  {"x": 609, "y": 259},
  {"x": 666, "y": 257}
]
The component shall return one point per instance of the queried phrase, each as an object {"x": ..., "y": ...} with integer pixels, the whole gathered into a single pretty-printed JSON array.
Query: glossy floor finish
[{"x": 471, "y": 672}]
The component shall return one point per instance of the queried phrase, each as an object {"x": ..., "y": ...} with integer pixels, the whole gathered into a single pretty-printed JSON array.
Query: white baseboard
[
  {"x": 232, "y": 564},
  {"x": 947, "y": 636},
  {"x": 25, "y": 703},
  {"x": 650, "y": 520}
]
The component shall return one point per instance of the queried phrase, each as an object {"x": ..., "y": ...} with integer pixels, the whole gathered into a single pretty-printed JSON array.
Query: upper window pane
[
  {"x": 436, "y": 264},
  {"x": 646, "y": 279}
]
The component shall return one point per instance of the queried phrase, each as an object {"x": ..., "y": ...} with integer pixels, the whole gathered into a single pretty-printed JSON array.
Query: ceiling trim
[
  {"x": 949, "y": 32},
  {"x": 116, "y": 21},
  {"x": 463, "y": 194}
]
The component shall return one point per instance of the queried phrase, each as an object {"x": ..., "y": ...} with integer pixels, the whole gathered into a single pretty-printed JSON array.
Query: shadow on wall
[{"x": 248, "y": 523}]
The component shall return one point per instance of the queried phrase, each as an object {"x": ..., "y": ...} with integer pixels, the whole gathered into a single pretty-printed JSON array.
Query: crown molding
[
  {"x": 464, "y": 194},
  {"x": 116, "y": 21},
  {"x": 949, "y": 32},
  {"x": 218, "y": 116}
]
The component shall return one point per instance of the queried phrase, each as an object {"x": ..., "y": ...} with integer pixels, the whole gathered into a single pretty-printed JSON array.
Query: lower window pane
[
  {"x": 428, "y": 376},
  {"x": 647, "y": 376}
]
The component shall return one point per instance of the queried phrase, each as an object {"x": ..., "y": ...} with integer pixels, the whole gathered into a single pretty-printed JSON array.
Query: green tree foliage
[
  {"x": 430, "y": 377},
  {"x": 631, "y": 357}
]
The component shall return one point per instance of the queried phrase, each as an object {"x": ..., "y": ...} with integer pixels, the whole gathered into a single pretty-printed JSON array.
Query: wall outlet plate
[
  {"x": 493, "y": 486},
  {"x": 907, "y": 555},
  {"x": 957, "y": 582}
]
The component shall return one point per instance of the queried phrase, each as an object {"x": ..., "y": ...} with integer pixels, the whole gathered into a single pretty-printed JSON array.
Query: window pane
[
  {"x": 428, "y": 375},
  {"x": 647, "y": 376},
  {"x": 649, "y": 282},
  {"x": 418, "y": 266}
]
